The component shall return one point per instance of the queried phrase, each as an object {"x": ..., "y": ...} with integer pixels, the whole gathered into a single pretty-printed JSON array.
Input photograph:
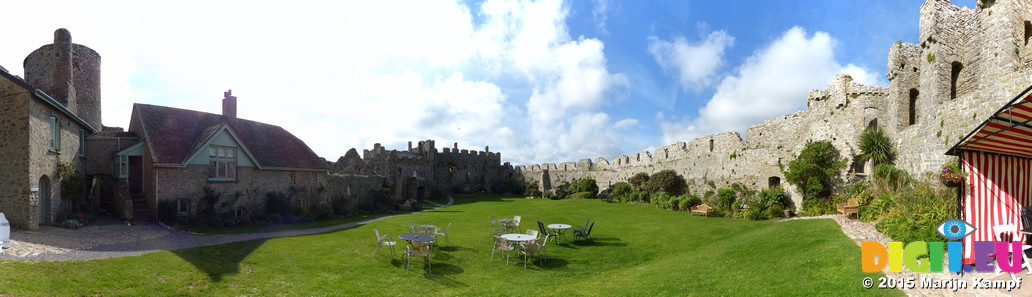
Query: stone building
[
  {"x": 44, "y": 121},
  {"x": 966, "y": 64},
  {"x": 182, "y": 152},
  {"x": 422, "y": 171}
]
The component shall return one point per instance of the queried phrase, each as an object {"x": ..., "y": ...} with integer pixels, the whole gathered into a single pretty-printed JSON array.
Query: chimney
[{"x": 229, "y": 110}]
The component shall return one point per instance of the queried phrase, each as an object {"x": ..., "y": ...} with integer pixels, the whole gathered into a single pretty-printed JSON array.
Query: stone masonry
[{"x": 967, "y": 63}]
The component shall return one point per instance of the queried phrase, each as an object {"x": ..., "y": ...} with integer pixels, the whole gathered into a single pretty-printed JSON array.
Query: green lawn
[{"x": 636, "y": 251}]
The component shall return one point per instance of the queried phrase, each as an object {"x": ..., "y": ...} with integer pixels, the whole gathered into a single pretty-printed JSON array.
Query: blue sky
[{"x": 538, "y": 81}]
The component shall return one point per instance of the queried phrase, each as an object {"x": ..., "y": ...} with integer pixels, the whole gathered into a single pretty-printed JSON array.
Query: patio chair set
[
  {"x": 531, "y": 243},
  {"x": 421, "y": 238}
]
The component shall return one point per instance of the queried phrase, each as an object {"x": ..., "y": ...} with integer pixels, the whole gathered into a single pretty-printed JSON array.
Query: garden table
[
  {"x": 559, "y": 229},
  {"x": 427, "y": 228}
]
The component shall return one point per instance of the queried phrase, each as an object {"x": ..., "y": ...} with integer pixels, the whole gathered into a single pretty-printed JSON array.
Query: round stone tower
[{"x": 70, "y": 73}]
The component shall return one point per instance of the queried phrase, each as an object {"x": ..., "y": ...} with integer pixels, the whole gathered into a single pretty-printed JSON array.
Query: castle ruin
[{"x": 966, "y": 64}]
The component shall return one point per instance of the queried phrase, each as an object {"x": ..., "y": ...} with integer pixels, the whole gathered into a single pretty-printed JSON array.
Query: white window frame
[
  {"x": 222, "y": 163},
  {"x": 55, "y": 134},
  {"x": 182, "y": 206}
]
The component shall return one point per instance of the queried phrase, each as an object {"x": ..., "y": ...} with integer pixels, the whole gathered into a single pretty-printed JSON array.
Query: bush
[
  {"x": 167, "y": 211},
  {"x": 300, "y": 211},
  {"x": 639, "y": 180},
  {"x": 774, "y": 196},
  {"x": 755, "y": 214},
  {"x": 583, "y": 185},
  {"x": 775, "y": 211},
  {"x": 815, "y": 171},
  {"x": 875, "y": 146},
  {"x": 582, "y": 195},
  {"x": 515, "y": 186},
  {"x": 322, "y": 212},
  {"x": 277, "y": 203},
  {"x": 725, "y": 199},
  {"x": 621, "y": 190},
  {"x": 667, "y": 181}
]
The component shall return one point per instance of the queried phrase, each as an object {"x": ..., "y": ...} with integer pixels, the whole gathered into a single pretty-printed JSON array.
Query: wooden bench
[
  {"x": 851, "y": 206},
  {"x": 702, "y": 209}
]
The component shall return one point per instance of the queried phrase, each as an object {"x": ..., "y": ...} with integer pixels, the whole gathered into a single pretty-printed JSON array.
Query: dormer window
[{"x": 222, "y": 163}]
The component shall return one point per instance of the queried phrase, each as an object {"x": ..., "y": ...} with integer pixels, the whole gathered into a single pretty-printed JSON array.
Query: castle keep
[{"x": 967, "y": 62}]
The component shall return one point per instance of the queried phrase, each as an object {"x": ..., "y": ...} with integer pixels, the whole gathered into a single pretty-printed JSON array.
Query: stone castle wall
[{"x": 968, "y": 63}]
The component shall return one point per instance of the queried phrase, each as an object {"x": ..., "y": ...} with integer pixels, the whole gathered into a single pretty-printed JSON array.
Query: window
[
  {"x": 291, "y": 178},
  {"x": 954, "y": 75},
  {"x": 711, "y": 145},
  {"x": 221, "y": 163},
  {"x": 238, "y": 212},
  {"x": 123, "y": 166},
  {"x": 913, "y": 107},
  {"x": 182, "y": 206},
  {"x": 55, "y": 134},
  {"x": 82, "y": 143}
]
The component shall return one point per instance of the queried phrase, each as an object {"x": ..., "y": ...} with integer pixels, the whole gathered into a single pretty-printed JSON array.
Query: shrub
[
  {"x": 621, "y": 190},
  {"x": 815, "y": 170},
  {"x": 277, "y": 203},
  {"x": 775, "y": 211},
  {"x": 755, "y": 214},
  {"x": 532, "y": 189},
  {"x": 875, "y": 146},
  {"x": 583, "y": 185},
  {"x": 659, "y": 198},
  {"x": 667, "y": 181},
  {"x": 339, "y": 205},
  {"x": 300, "y": 211},
  {"x": 639, "y": 180},
  {"x": 890, "y": 177},
  {"x": 725, "y": 199},
  {"x": 322, "y": 212},
  {"x": 774, "y": 196},
  {"x": 167, "y": 211},
  {"x": 581, "y": 195}
]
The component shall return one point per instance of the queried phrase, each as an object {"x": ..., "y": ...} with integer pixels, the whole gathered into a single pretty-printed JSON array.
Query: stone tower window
[
  {"x": 711, "y": 145},
  {"x": 954, "y": 74},
  {"x": 1028, "y": 31},
  {"x": 913, "y": 107},
  {"x": 773, "y": 181},
  {"x": 873, "y": 123}
]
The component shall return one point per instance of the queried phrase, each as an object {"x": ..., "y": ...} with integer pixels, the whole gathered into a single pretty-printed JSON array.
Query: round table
[
  {"x": 518, "y": 237},
  {"x": 419, "y": 237},
  {"x": 559, "y": 229},
  {"x": 507, "y": 223}
]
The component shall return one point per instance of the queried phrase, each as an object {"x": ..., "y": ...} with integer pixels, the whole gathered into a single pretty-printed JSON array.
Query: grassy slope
[{"x": 636, "y": 251}]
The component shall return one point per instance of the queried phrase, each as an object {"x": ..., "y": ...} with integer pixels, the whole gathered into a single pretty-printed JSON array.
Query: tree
[
  {"x": 638, "y": 180},
  {"x": 875, "y": 146},
  {"x": 667, "y": 181},
  {"x": 815, "y": 171}
]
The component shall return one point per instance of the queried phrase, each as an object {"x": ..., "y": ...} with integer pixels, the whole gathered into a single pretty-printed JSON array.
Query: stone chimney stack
[{"x": 229, "y": 108}]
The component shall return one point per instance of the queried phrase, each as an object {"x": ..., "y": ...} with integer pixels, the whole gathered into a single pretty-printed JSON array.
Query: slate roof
[{"x": 173, "y": 135}]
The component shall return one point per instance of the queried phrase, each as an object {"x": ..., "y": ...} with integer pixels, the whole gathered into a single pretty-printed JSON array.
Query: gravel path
[{"x": 108, "y": 237}]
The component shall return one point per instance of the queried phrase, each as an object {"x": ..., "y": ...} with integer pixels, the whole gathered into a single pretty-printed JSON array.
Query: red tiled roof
[{"x": 174, "y": 134}]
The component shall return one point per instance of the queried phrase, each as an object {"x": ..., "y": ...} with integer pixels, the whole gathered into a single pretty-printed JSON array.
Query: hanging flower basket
[{"x": 952, "y": 178}]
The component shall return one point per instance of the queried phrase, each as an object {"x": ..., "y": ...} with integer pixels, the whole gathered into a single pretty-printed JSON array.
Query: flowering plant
[{"x": 951, "y": 176}]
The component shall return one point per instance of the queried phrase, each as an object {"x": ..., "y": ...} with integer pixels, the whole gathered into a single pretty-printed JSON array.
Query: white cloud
[
  {"x": 773, "y": 82},
  {"x": 864, "y": 76},
  {"x": 695, "y": 64}
]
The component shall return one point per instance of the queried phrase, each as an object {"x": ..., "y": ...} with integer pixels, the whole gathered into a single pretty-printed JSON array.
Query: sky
[{"x": 539, "y": 81}]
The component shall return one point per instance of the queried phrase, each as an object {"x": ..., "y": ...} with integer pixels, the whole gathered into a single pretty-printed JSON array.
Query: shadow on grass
[
  {"x": 592, "y": 241},
  {"x": 217, "y": 261},
  {"x": 467, "y": 199}
]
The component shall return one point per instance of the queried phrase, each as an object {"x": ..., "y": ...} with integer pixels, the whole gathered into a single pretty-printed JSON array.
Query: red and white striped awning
[{"x": 1007, "y": 132}]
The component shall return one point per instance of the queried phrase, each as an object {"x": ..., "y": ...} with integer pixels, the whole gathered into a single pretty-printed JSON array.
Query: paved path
[{"x": 109, "y": 237}]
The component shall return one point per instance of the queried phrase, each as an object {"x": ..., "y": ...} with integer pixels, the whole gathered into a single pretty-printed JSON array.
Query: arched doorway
[{"x": 44, "y": 199}]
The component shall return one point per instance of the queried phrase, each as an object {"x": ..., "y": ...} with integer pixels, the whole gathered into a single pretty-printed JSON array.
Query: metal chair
[
  {"x": 382, "y": 241},
  {"x": 444, "y": 233},
  {"x": 502, "y": 245},
  {"x": 585, "y": 234},
  {"x": 541, "y": 227},
  {"x": 422, "y": 249}
]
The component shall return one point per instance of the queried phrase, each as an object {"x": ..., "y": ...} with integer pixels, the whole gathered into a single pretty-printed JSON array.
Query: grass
[
  {"x": 285, "y": 227},
  {"x": 636, "y": 251}
]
